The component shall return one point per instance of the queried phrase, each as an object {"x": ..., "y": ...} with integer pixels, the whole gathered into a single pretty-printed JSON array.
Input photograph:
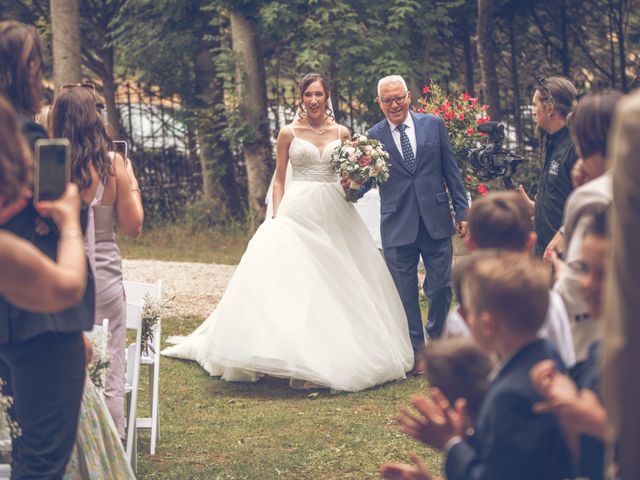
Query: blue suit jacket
[
  {"x": 511, "y": 441},
  {"x": 407, "y": 197}
]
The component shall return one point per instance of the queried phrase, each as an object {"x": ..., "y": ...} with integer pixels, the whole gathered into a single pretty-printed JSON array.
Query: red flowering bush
[{"x": 461, "y": 115}]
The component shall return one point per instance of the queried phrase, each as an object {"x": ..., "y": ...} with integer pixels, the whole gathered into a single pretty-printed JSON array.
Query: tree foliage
[{"x": 185, "y": 49}]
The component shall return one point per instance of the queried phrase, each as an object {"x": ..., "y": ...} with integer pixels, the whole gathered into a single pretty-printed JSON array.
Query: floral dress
[{"x": 98, "y": 452}]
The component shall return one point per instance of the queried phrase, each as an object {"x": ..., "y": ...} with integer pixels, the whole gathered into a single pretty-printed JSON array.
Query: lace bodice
[{"x": 309, "y": 164}]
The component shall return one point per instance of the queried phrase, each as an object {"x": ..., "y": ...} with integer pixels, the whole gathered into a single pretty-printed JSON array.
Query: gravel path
[{"x": 195, "y": 288}]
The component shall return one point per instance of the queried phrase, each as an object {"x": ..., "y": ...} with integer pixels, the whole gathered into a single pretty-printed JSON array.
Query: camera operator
[{"x": 553, "y": 101}]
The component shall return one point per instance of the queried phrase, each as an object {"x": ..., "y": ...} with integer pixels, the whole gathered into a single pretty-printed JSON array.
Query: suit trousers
[
  {"x": 45, "y": 376},
  {"x": 403, "y": 265}
]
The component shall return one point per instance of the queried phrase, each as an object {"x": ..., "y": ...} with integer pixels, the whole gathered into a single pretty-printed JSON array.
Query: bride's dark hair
[{"x": 307, "y": 80}]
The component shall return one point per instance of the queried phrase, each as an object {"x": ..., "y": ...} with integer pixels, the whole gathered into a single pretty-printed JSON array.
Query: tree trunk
[
  {"x": 65, "y": 28},
  {"x": 216, "y": 159},
  {"x": 110, "y": 88},
  {"x": 251, "y": 90},
  {"x": 612, "y": 47},
  {"x": 467, "y": 49},
  {"x": 515, "y": 84},
  {"x": 564, "y": 33},
  {"x": 621, "y": 47},
  {"x": 486, "y": 55}
]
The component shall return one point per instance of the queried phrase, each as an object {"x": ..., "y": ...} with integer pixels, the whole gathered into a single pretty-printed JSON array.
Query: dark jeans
[
  {"x": 45, "y": 376},
  {"x": 403, "y": 265}
]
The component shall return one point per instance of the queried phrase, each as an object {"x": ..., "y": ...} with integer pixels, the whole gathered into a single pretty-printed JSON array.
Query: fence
[{"x": 162, "y": 148}]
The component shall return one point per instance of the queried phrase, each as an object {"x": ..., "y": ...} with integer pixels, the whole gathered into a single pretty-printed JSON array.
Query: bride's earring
[
  {"x": 328, "y": 113},
  {"x": 303, "y": 111}
]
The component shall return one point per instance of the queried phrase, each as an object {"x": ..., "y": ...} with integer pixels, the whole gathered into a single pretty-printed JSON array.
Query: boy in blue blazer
[{"x": 505, "y": 301}]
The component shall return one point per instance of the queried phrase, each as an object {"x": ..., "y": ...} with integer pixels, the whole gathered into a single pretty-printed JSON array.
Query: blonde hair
[{"x": 513, "y": 285}]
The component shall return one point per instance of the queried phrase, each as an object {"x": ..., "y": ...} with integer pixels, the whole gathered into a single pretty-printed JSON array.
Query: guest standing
[
  {"x": 107, "y": 183},
  {"x": 42, "y": 354}
]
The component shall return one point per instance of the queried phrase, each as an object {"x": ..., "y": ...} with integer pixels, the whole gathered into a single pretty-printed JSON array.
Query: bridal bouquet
[{"x": 361, "y": 160}]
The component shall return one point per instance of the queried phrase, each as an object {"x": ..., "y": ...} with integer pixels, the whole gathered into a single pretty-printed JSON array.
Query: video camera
[{"x": 492, "y": 160}]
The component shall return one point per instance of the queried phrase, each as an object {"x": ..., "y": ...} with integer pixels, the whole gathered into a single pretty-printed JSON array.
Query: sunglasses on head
[
  {"x": 88, "y": 86},
  {"x": 542, "y": 83}
]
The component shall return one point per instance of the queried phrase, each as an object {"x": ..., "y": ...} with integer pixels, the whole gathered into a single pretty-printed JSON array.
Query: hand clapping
[
  {"x": 402, "y": 471},
  {"x": 436, "y": 422}
]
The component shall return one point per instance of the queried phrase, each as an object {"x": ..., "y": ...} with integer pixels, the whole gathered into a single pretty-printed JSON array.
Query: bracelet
[{"x": 71, "y": 234}]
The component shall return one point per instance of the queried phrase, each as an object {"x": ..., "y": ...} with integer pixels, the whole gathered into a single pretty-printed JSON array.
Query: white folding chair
[
  {"x": 5, "y": 471},
  {"x": 132, "y": 381},
  {"x": 136, "y": 293}
]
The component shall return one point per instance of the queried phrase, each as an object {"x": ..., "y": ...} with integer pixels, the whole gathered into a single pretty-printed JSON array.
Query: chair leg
[
  {"x": 134, "y": 456},
  {"x": 155, "y": 423},
  {"x": 151, "y": 372}
]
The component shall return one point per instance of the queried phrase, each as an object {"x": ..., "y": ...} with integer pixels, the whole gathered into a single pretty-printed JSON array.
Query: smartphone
[
  {"x": 121, "y": 147},
  {"x": 52, "y": 168}
]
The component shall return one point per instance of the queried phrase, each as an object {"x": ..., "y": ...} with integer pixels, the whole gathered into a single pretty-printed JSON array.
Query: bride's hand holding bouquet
[{"x": 358, "y": 161}]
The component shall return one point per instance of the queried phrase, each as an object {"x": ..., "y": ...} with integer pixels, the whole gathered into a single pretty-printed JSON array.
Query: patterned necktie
[{"x": 407, "y": 151}]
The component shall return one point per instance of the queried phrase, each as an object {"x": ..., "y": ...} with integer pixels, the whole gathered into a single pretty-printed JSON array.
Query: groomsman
[{"x": 414, "y": 206}]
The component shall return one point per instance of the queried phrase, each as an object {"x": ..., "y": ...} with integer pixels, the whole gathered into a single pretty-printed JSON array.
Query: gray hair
[
  {"x": 391, "y": 79},
  {"x": 560, "y": 92}
]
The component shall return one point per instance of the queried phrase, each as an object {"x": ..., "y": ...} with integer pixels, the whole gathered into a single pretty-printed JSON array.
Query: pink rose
[{"x": 364, "y": 161}]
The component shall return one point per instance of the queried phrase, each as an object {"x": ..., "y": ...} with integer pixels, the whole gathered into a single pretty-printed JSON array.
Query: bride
[{"x": 311, "y": 299}]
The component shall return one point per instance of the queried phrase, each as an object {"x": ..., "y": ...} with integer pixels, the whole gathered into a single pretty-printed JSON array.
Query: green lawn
[
  {"x": 182, "y": 243},
  {"x": 213, "y": 429}
]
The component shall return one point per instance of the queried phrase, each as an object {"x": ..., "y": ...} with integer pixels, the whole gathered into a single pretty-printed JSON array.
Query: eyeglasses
[
  {"x": 399, "y": 100},
  {"x": 542, "y": 82},
  {"x": 88, "y": 86}
]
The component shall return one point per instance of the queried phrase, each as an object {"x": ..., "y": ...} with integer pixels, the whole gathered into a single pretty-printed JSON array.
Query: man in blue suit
[{"x": 414, "y": 205}]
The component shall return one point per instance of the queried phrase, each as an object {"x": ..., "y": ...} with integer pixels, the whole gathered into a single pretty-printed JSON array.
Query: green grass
[
  {"x": 183, "y": 243},
  {"x": 212, "y": 429}
]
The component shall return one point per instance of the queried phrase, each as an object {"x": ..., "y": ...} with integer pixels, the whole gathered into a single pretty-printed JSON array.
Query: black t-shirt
[
  {"x": 16, "y": 324},
  {"x": 555, "y": 187}
]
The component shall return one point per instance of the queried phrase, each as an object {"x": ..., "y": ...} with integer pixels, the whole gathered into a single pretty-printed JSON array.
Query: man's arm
[{"x": 451, "y": 174}]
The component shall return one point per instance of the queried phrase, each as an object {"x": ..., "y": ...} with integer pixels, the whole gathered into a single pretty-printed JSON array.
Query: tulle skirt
[{"x": 311, "y": 300}]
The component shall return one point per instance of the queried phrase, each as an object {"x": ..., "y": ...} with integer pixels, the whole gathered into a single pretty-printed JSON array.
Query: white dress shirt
[
  {"x": 556, "y": 328},
  {"x": 410, "y": 131}
]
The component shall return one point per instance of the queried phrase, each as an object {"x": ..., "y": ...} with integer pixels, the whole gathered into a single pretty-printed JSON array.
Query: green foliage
[{"x": 354, "y": 43}]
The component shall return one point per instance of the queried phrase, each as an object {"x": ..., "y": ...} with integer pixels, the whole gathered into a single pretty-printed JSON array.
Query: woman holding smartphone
[
  {"x": 42, "y": 355},
  {"x": 107, "y": 183},
  {"x": 54, "y": 286}
]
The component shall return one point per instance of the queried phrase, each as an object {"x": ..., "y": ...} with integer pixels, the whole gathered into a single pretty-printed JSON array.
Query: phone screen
[
  {"x": 120, "y": 146},
  {"x": 52, "y": 171}
]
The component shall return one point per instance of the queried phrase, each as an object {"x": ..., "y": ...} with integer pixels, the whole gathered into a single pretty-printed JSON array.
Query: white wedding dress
[{"x": 311, "y": 299}]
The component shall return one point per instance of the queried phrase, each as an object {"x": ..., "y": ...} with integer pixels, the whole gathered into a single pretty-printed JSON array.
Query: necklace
[{"x": 321, "y": 132}]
